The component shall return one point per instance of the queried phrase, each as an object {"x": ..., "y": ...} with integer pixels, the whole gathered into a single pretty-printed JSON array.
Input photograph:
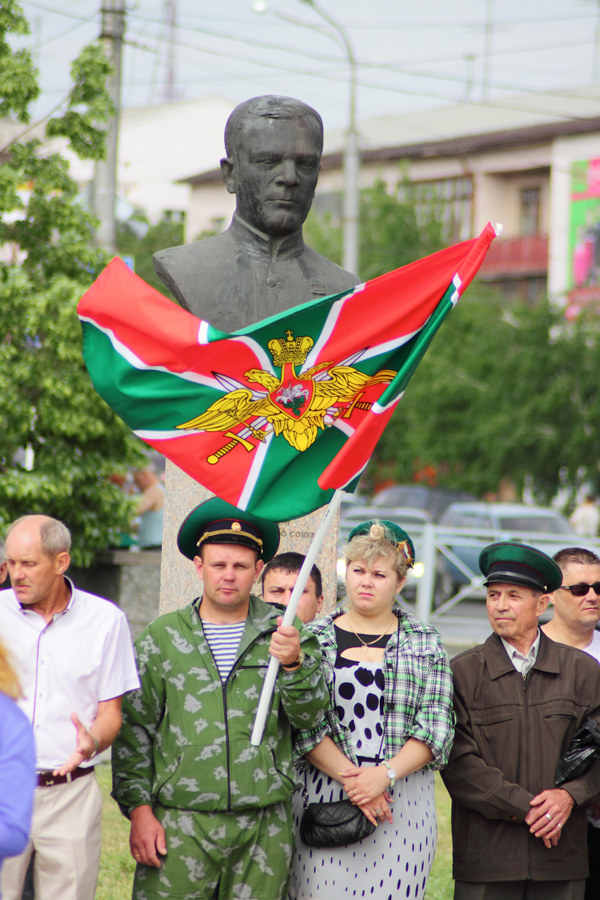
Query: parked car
[
  {"x": 418, "y": 496},
  {"x": 474, "y": 525}
]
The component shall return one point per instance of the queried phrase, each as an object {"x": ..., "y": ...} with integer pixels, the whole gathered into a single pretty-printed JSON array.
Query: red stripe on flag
[
  {"x": 415, "y": 289},
  {"x": 155, "y": 329},
  {"x": 355, "y": 453},
  {"x": 191, "y": 452}
]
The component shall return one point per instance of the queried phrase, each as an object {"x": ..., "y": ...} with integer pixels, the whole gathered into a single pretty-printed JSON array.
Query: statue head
[{"x": 273, "y": 147}]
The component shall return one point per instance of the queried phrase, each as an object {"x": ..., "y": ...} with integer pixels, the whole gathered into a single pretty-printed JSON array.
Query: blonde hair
[
  {"x": 9, "y": 683},
  {"x": 377, "y": 543}
]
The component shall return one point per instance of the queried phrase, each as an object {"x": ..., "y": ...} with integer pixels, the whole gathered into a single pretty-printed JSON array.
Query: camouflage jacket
[{"x": 185, "y": 739}]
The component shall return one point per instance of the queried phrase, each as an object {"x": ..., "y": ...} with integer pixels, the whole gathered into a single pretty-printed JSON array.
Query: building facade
[{"x": 510, "y": 162}]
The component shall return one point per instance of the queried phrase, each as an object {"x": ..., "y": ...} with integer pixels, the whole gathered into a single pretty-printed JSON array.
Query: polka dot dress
[{"x": 394, "y": 862}]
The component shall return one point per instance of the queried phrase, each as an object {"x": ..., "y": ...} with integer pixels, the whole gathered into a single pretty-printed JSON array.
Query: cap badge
[{"x": 235, "y": 526}]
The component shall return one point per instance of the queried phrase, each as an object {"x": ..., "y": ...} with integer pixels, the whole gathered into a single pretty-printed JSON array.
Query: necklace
[{"x": 367, "y": 644}]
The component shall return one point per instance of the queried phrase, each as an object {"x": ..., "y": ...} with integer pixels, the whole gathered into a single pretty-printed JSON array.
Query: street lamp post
[{"x": 351, "y": 149}]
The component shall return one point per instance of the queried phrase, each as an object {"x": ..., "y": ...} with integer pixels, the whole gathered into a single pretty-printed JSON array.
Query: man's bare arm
[{"x": 100, "y": 735}]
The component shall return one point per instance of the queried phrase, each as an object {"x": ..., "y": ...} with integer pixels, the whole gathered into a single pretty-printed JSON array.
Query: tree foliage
[
  {"x": 390, "y": 233},
  {"x": 47, "y": 401},
  {"x": 163, "y": 234},
  {"x": 505, "y": 391}
]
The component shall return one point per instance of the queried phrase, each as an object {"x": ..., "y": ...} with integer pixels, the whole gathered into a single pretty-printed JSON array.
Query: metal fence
[{"x": 438, "y": 551}]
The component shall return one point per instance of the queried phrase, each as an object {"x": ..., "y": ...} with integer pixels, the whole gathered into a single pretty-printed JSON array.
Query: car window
[
  {"x": 402, "y": 495},
  {"x": 484, "y": 522},
  {"x": 465, "y": 520},
  {"x": 536, "y": 524}
]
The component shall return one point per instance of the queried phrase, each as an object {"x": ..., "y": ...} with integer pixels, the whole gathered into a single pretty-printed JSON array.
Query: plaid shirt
[{"x": 418, "y": 692}]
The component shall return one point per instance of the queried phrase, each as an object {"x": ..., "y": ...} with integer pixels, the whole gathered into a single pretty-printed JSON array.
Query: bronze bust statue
[{"x": 260, "y": 265}]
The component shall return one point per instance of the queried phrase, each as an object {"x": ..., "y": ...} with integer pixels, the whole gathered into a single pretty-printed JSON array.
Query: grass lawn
[{"x": 117, "y": 866}]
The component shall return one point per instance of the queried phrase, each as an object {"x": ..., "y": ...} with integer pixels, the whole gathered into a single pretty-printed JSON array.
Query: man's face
[
  {"x": 274, "y": 173},
  {"x": 278, "y": 586},
  {"x": 577, "y": 611},
  {"x": 33, "y": 574},
  {"x": 513, "y": 610},
  {"x": 3, "y": 572},
  {"x": 228, "y": 572}
]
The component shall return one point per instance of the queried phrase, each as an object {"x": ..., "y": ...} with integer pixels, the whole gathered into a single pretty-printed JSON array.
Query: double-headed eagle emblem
[{"x": 295, "y": 407}]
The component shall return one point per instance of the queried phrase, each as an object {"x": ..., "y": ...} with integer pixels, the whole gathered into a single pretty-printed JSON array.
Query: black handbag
[
  {"x": 334, "y": 824},
  {"x": 339, "y": 823},
  {"x": 584, "y": 750}
]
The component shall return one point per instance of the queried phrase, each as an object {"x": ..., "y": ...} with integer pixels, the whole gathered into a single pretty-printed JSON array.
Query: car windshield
[
  {"x": 402, "y": 495},
  {"x": 536, "y": 524}
]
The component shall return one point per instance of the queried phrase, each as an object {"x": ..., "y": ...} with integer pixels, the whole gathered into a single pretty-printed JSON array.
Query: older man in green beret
[
  {"x": 519, "y": 698},
  {"x": 211, "y": 814}
]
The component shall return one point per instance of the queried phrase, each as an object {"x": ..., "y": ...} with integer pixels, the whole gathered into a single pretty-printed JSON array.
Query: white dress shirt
[
  {"x": 70, "y": 664},
  {"x": 523, "y": 663}
]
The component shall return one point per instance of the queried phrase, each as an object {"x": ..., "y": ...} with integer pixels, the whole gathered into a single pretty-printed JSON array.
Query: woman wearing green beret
[{"x": 389, "y": 727}]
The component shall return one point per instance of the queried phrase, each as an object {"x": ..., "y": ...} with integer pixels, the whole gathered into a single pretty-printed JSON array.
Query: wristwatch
[
  {"x": 297, "y": 662},
  {"x": 391, "y": 774}
]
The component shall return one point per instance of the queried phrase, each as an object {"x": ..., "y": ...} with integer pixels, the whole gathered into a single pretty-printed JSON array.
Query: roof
[{"x": 462, "y": 129}]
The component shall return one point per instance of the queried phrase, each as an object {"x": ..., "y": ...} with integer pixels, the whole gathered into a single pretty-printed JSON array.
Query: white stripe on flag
[
  {"x": 388, "y": 346},
  {"x": 137, "y": 363},
  {"x": 457, "y": 284},
  {"x": 203, "y": 332},
  {"x": 346, "y": 427},
  {"x": 165, "y": 435},
  {"x": 258, "y": 351},
  {"x": 326, "y": 333},
  {"x": 378, "y": 409},
  {"x": 259, "y": 458}
]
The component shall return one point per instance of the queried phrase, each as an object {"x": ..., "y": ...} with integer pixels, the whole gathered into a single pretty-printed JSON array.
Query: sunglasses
[{"x": 580, "y": 590}]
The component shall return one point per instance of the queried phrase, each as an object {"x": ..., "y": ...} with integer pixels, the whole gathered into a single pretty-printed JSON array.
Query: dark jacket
[{"x": 510, "y": 733}]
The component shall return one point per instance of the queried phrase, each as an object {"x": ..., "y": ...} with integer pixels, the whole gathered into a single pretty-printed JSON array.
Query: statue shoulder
[
  {"x": 330, "y": 273},
  {"x": 179, "y": 267}
]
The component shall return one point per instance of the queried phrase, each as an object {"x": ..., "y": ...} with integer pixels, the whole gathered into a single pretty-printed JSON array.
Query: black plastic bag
[{"x": 584, "y": 750}]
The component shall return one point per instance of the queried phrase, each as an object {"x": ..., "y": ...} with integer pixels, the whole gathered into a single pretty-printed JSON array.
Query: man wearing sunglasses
[
  {"x": 576, "y": 613},
  {"x": 577, "y": 602}
]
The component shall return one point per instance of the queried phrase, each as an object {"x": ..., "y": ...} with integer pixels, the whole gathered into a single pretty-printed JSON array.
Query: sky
[{"x": 410, "y": 56}]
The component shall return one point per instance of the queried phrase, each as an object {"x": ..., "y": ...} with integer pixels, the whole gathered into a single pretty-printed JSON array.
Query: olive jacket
[
  {"x": 510, "y": 734},
  {"x": 185, "y": 739}
]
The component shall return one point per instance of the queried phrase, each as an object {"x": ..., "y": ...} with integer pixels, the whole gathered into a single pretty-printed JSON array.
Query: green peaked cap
[
  {"x": 218, "y": 522},
  {"x": 394, "y": 534},
  {"x": 514, "y": 563}
]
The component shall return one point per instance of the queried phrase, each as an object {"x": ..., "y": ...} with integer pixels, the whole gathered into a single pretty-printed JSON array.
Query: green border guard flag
[{"x": 274, "y": 417}]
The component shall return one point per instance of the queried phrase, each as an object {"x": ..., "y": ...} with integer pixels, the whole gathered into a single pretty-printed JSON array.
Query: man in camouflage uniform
[{"x": 210, "y": 814}]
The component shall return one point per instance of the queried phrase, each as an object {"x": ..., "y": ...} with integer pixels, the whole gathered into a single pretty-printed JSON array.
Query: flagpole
[{"x": 290, "y": 613}]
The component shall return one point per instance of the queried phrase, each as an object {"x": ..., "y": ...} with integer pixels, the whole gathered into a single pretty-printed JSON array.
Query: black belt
[{"x": 47, "y": 779}]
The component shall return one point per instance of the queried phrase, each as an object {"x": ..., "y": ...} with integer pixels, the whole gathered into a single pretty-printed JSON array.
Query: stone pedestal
[
  {"x": 129, "y": 579},
  {"x": 179, "y": 581}
]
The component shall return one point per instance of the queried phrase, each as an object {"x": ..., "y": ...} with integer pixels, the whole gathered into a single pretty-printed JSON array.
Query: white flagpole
[{"x": 288, "y": 618}]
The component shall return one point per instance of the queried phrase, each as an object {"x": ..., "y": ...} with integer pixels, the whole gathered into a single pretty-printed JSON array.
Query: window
[
  {"x": 177, "y": 216},
  {"x": 530, "y": 210},
  {"x": 449, "y": 199}
]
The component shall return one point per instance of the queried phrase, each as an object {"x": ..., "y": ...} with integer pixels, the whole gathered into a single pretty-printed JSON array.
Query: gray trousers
[{"x": 519, "y": 890}]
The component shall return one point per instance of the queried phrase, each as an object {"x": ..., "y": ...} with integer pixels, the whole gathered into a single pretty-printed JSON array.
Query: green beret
[
  {"x": 515, "y": 563},
  {"x": 218, "y": 522},
  {"x": 393, "y": 533}
]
